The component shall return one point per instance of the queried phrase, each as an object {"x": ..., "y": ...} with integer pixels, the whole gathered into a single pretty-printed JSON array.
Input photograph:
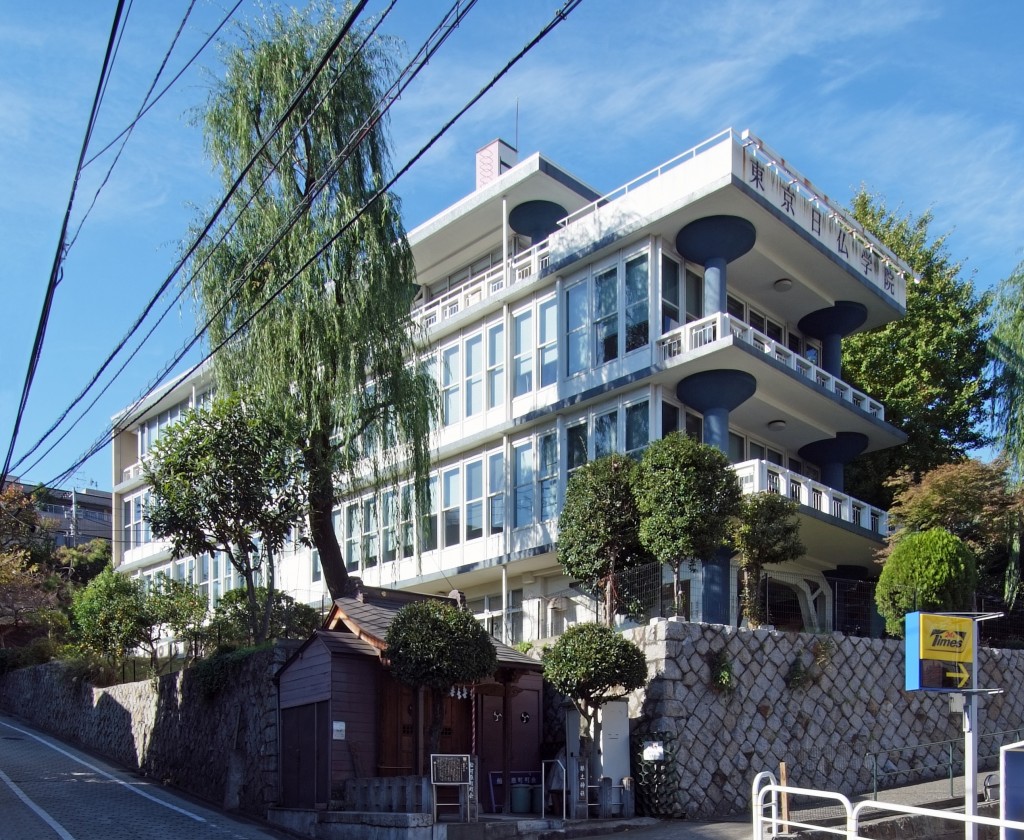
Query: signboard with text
[{"x": 939, "y": 651}]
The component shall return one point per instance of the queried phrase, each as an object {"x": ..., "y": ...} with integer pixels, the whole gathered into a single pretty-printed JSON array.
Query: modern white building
[{"x": 709, "y": 295}]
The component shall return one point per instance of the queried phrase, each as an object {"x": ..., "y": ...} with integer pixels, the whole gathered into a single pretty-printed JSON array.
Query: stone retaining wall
[
  {"x": 823, "y": 719},
  {"x": 222, "y": 749},
  {"x": 848, "y": 703}
]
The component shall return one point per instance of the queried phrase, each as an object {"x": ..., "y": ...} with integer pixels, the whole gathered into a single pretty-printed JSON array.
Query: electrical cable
[
  {"x": 51, "y": 286},
  {"x": 379, "y": 110},
  {"x": 168, "y": 86},
  {"x": 128, "y": 132},
  {"x": 293, "y": 103},
  {"x": 128, "y": 415}
]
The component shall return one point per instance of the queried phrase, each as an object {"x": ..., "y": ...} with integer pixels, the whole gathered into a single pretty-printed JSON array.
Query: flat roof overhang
[{"x": 472, "y": 226}]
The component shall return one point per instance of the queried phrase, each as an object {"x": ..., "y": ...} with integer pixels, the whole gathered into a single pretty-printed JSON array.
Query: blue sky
[{"x": 919, "y": 101}]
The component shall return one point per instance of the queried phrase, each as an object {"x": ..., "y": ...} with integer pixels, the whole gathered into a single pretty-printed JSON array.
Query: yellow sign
[{"x": 947, "y": 638}]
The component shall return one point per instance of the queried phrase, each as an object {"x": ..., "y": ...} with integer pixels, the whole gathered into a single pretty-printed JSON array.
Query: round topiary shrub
[{"x": 929, "y": 571}]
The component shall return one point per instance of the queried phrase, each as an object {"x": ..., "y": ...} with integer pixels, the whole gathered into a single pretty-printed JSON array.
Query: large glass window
[
  {"x": 694, "y": 296},
  {"x": 638, "y": 428},
  {"x": 474, "y": 375},
  {"x": 522, "y": 353},
  {"x": 669, "y": 294},
  {"x": 451, "y": 490},
  {"x": 474, "y": 500},
  {"x": 495, "y": 365},
  {"x": 522, "y": 481},
  {"x": 606, "y": 433},
  {"x": 606, "y": 315},
  {"x": 576, "y": 329},
  {"x": 451, "y": 405},
  {"x": 371, "y": 540},
  {"x": 405, "y": 528},
  {"x": 547, "y": 469},
  {"x": 496, "y": 492},
  {"x": 637, "y": 320},
  {"x": 389, "y": 535},
  {"x": 428, "y": 520},
  {"x": 547, "y": 341},
  {"x": 576, "y": 446}
]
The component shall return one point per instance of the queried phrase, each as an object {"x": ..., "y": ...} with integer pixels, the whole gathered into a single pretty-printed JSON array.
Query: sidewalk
[{"x": 934, "y": 794}]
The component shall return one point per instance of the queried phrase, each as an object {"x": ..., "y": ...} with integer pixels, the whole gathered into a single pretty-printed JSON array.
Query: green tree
[
  {"x": 24, "y": 594},
  {"x": 687, "y": 495},
  {"x": 766, "y": 532},
  {"x": 111, "y": 615},
  {"x": 329, "y": 353},
  {"x": 289, "y": 619},
  {"x": 929, "y": 571},
  {"x": 927, "y": 368},
  {"x": 1006, "y": 350},
  {"x": 22, "y": 529},
  {"x": 225, "y": 479},
  {"x": 592, "y": 664},
  {"x": 182, "y": 608},
  {"x": 80, "y": 564},
  {"x": 977, "y": 502},
  {"x": 436, "y": 645},
  {"x": 599, "y": 527}
]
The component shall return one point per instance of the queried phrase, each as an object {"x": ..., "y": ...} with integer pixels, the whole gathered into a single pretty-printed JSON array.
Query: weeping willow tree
[
  {"x": 329, "y": 354},
  {"x": 1006, "y": 348}
]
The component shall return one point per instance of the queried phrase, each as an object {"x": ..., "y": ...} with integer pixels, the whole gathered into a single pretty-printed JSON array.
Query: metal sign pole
[{"x": 971, "y": 751}]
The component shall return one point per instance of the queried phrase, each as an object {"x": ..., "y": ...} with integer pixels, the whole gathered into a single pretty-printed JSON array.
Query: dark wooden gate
[{"x": 306, "y": 755}]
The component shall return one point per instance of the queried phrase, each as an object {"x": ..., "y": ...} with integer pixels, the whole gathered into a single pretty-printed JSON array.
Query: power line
[
  {"x": 293, "y": 103},
  {"x": 37, "y": 344},
  {"x": 129, "y": 415},
  {"x": 128, "y": 128},
  {"x": 126, "y": 134},
  {"x": 451, "y": 20}
]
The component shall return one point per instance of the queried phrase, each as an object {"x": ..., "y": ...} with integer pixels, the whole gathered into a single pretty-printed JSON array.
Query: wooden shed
[{"x": 343, "y": 716}]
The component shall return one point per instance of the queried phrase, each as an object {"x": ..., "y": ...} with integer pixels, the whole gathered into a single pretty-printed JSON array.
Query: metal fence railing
[{"x": 810, "y": 603}]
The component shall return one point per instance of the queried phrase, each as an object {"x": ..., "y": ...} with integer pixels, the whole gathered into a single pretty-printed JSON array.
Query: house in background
[
  {"x": 344, "y": 717},
  {"x": 710, "y": 295},
  {"x": 73, "y": 517}
]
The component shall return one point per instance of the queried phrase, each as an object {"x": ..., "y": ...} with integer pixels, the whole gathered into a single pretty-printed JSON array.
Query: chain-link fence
[{"x": 810, "y": 603}]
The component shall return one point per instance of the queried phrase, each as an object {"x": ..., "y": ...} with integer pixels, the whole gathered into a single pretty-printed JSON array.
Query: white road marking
[
  {"x": 46, "y": 818},
  {"x": 96, "y": 769}
]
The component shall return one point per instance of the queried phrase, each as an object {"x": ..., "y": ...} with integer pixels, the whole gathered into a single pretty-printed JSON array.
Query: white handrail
[{"x": 853, "y": 812}]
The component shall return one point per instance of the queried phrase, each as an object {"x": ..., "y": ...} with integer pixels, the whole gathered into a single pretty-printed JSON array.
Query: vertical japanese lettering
[
  {"x": 889, "y": 279},
  {"x": 757, "y": 174},
  {"x": 816, "y": 221},
  {"x": 841, "y": 245},
  {"x": 787, "y": 201}
]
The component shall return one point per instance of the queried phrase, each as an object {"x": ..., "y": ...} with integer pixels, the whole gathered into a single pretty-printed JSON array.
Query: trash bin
[
  {"x": 537, "y": 799},
  {"x": 520, "y": 799}
]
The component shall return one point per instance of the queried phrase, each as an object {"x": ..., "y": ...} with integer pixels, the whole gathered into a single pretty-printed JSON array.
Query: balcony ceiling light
[
  {"x": 777, "y": 425},
  {"x": 783, "y": 284}
]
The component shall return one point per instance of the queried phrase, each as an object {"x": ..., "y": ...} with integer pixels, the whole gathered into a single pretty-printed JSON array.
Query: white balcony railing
[
  {"x": 708, "y": 330},
  {"x": 132, "y": 472},
  {"x": 522, "y": 267},
  {"x": 765, "y": 477}
]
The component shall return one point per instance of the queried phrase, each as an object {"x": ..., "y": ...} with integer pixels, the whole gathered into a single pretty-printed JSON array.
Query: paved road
[{"x": 50, "y": 791}]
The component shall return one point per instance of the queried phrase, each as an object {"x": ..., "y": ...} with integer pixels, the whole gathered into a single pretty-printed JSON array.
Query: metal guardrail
[
  {"x": 946, "y": 756},
  {"x": 767, "y": 813}
]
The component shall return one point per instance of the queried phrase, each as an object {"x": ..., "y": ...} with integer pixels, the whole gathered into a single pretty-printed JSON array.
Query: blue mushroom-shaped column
[
  {"x": 832, "y": 454},
  {"x": 715, "y": 393},
  {"x": 536, "y": 219},
  {"x": 830, "y": 325},
  {"x": 715, "y": 241}
]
